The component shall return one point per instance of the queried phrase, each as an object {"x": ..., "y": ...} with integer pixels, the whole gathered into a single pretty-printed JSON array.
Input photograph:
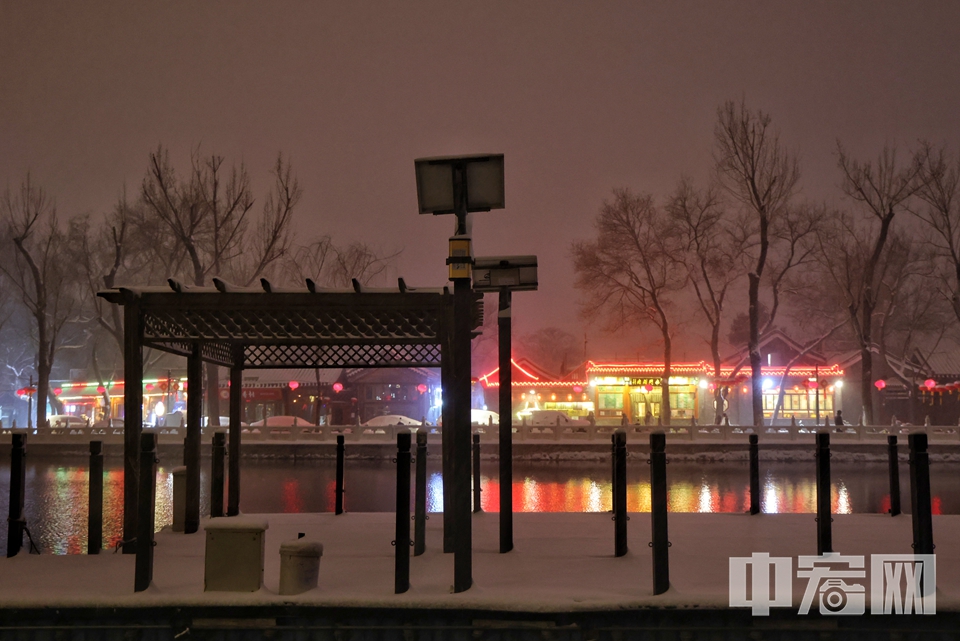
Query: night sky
[{"x": 581, "y": 97}]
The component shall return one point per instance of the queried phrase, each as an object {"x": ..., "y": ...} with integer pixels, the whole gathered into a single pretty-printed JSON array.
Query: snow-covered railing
[{"x": 522, "y": 433}]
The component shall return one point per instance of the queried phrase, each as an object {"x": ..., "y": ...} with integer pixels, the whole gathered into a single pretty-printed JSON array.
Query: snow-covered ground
[{"x": 561, "y": 562}]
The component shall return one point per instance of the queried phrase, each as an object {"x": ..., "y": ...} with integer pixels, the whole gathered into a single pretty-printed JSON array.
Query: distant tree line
[
  {"x": 879, "y": 273},
  {"x": 190, "y": 223}
]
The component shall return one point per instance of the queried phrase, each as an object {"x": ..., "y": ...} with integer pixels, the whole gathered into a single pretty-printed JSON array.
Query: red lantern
[
  {"x": 338, "y": 387},
  {"x": 929, "y": 383},
  {"x": 880, "y": 384},
  {"x": 648, "y": 388},
  {"x": 293, "y": 384},
  {"x": 101, "y": 389},
  {"x": 577, "y": 388},
  {"x": 422, "y": 388},
  {"x": 58, "y": 391},
  {"x": 149, "y": 387}
]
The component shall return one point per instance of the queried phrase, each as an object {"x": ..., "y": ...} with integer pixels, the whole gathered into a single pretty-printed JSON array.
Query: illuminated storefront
[
  {"x": 634, "y": 391},
  {"x": 534, "y": 389}
]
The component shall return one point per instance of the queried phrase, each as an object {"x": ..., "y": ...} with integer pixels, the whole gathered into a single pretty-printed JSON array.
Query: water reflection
[{"x": 56, "y": 493}]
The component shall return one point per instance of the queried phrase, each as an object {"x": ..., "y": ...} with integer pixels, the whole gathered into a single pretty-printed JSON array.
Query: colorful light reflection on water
[{"x": 56, "y": 494}]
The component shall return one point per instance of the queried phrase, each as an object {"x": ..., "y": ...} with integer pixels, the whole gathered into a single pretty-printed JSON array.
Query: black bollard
[
  {"x": 146, "y": 500},
  {"x": 339, "y": 491},
  {"x": 95, "y": 499},
  {"x": 613, "y": 473},
  {"x": 620, "y": 494},
  {"x": 754, "y": 474},
  {"x": 824, "y": 509},
  {"x": 402, "y": 540},
  {"x": 920, "y": 494},
  {"x": 218, "y": 453},
  {"x": 420, "y": 497},
  {"x": 18, "y": 480},
  {"x": 476, "y": 474},
  {"x": 658, "y": 512},
  {"x": 894, "y": 476}
]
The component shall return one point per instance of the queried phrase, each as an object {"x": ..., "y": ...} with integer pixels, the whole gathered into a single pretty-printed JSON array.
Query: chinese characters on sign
[{"x": 836, "y": 583}]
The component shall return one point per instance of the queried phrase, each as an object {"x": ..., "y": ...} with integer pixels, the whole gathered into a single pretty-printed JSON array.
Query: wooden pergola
[{"x": 246, "y": 328}]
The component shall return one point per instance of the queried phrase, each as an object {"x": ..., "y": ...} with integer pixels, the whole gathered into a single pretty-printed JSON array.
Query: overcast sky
[{"x": 581, "y": 97}]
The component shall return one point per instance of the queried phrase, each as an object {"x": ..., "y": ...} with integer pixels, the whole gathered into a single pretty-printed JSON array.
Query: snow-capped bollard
[
  {"x": 402, "y": 539},
  {"x": 299, "y": 565},
  {"x": 658, "y": 513},
  {"x": 233, "y": 558},
  {"x": 620, "y": 494},
  {"x": 15, "y": 520},
  {"x": 920, "y": 494},
  {"x": 754, "y": 474},
  {"x": 179, "y": 475},
  {"x": 894, "y": 467},
  {"x": 476, "y": 473},
  {"x": 420, "y": 497},
  {"x": 95, "y": 499},
  {"x": 217, "y": 454},
  {"x": 338, "y": 508},
  {"x": 824, "y": 508}
]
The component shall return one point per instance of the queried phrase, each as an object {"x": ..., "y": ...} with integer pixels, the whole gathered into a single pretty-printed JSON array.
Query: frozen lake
[{"x": 56, "y": 494}]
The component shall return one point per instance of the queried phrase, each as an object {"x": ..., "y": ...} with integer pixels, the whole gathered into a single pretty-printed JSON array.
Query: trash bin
[
  {"x": 233, "y": 560},
  {"x": 179, "y": 497},
  {"x": 299, "y": 565}
]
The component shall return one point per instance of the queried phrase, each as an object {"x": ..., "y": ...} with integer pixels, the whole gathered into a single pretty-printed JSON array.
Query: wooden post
[
  {"x": 132, "y": 418},
  {"x": 18, "y": 477},
  {"x": 613, "y": 473},
  {"x": 95, "y": 499},
  {"x": 476, "y": 474},
  {"x": 191, "y": 445},
  {"x": 920, "y": 494},
  {"x": 145, "y": 521},
  {"x": 658, "y": 512},
  {"x": 338, "y": 508},
  {"x": 894, "y": 467},
  {"x": 824, "y": 508},
  {"x": 402, "y": 539},
  {"x": 236, "y": 416},
  {"x": 218, "y": 452},
  {"x": 420, "y": 497},
  {"x": 505, "y": 436},
  {"x": 754, "y": 474},
  {"x": 620, "y": 503}
]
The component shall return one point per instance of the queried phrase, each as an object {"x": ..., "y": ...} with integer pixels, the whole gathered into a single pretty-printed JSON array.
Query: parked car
[
  {"x": 66, "y": 421},
  {"x": 391, "y": 419},
  {"x": 105, "y": 423},
  {"x": 554, "y": 417},
  {"x": 282, "y": 421},
  {"x": 484, "y": 417}
]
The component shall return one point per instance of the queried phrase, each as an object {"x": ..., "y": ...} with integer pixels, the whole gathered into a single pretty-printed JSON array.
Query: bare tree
[
  {"x": 754, "y": 168},
  {"x": 860, "y": 264},
  {"x": 713, "y": 243},
  {"x": 939, "y": 208},
  {"x": 40, "y": 273},
  {"x": 208, "y": 218},
  {"x": 629, "y": 271},
  {"x": 552, "y": 348},
  {"x": 331, "y": 265}
]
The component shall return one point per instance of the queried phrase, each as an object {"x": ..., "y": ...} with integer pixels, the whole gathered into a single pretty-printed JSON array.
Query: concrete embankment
[{"x": 540, "y": 451}]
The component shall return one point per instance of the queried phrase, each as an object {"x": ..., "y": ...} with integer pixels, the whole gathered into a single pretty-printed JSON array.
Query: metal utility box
[
  {"x": 516, "y": 273},
  {"x": 299, "y": 565},
  {"x": 233, "y": 560}
]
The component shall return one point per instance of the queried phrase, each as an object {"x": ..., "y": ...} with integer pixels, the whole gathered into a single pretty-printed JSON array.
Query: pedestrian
[{"x": 838, "y": 421}]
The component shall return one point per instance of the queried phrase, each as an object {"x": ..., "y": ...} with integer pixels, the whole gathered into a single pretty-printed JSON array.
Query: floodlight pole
[
  {"x": 460, "y": 395},
  {"x": 506, "y": 421}
]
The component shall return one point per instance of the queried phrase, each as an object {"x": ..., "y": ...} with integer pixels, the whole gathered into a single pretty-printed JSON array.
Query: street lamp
[
  {"x": 505, "y": 274},
  {"x": 460, "y": 185}
]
